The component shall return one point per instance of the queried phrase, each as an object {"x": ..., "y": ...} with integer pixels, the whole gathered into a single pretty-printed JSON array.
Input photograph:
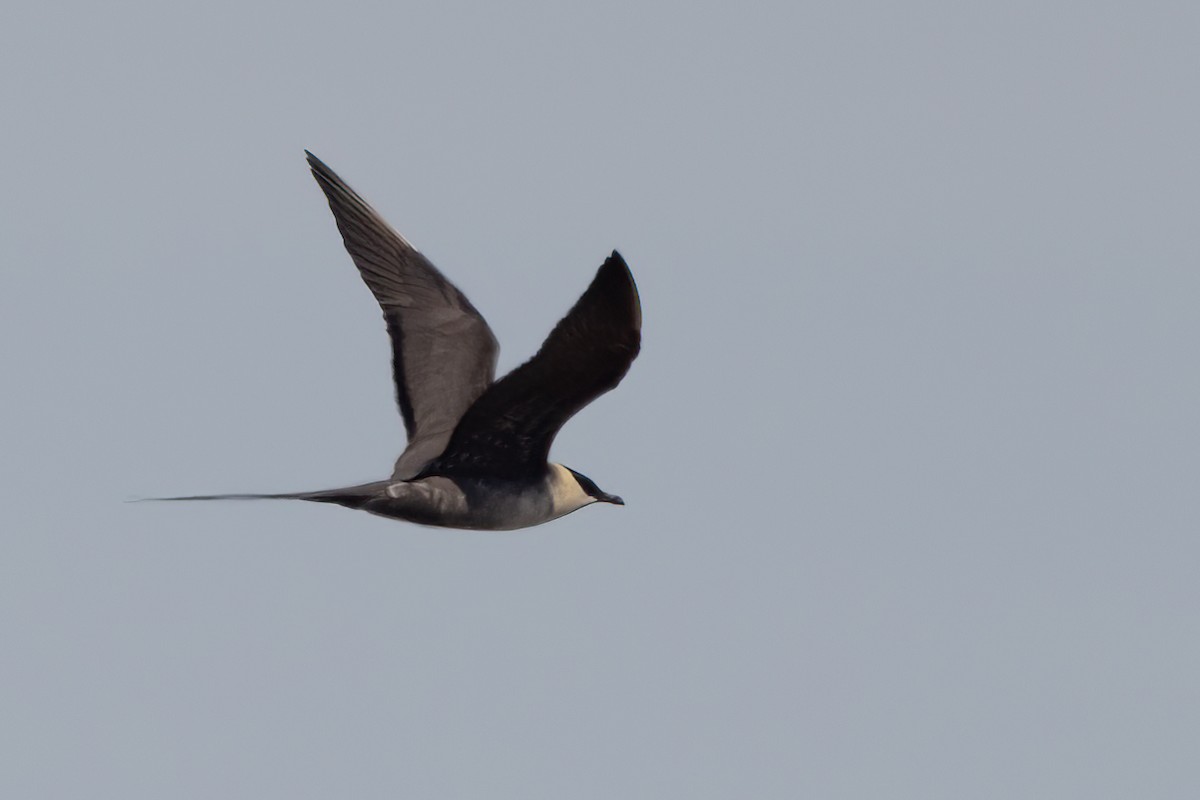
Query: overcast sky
[{"x": 910, "y": 453}]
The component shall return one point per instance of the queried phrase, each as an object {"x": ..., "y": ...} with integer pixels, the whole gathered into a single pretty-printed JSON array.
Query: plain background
[{"x": 910, "y": 454}]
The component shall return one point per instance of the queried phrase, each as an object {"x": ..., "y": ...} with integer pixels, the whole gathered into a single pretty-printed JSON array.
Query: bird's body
[
  {"x": 477, "y": 452},
  {"x": 488, "y": 504}
]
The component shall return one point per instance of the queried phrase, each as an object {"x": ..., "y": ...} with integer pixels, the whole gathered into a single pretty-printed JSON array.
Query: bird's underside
[
  {"x": 477, "y": 450},
  {"x": 485, "y": 504}
]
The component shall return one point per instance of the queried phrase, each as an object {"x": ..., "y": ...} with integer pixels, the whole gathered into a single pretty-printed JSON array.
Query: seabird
[{"x": 478, "y": 448}]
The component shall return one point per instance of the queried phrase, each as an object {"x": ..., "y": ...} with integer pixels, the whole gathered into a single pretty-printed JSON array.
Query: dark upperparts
[{"x": 508, "y": 431}]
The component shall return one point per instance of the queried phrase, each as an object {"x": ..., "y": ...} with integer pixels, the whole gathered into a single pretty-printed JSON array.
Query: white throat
[{"x": 566, "y": 495}]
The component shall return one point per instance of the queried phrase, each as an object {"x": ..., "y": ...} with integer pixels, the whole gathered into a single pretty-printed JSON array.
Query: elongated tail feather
[
  {"x": 353, "y": 496},
  {"x": 291, "y": 496}
]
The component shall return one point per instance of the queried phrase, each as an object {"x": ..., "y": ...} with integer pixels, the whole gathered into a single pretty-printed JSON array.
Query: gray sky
[{"x": 910, "y": 453}]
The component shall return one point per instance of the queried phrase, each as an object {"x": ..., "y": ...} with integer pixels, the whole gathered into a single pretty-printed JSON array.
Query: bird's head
[{"x": 590, "y": 488}]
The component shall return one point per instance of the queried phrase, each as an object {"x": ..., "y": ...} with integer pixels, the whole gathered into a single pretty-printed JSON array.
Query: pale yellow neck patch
[{"x": 566, "y": 495}]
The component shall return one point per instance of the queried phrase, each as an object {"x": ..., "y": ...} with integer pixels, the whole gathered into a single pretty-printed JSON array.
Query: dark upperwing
[{"x": 508, "y": 431}]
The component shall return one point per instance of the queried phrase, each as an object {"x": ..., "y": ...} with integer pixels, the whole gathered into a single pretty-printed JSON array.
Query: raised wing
[
  {"x": 509, "y": 429},
  {"x": 443, "y": 352}
]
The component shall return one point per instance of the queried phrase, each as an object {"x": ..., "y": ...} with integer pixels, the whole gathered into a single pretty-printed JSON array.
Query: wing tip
[
  {"x": 617, "y": 272},
  {"x": 325, "y": 176}
]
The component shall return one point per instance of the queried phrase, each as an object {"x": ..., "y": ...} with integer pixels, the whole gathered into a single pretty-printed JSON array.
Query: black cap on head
[{"x": 588, "y": 485}]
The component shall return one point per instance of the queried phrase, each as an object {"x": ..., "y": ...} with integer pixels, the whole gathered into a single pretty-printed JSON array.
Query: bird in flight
[{"x": 478, "y": 448}]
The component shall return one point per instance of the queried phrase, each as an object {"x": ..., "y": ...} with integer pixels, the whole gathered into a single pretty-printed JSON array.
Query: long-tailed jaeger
[{"x": 478, "y": 449}]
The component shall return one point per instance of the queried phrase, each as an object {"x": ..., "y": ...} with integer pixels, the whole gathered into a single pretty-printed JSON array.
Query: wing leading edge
[{"x": 443, "y": 352}]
